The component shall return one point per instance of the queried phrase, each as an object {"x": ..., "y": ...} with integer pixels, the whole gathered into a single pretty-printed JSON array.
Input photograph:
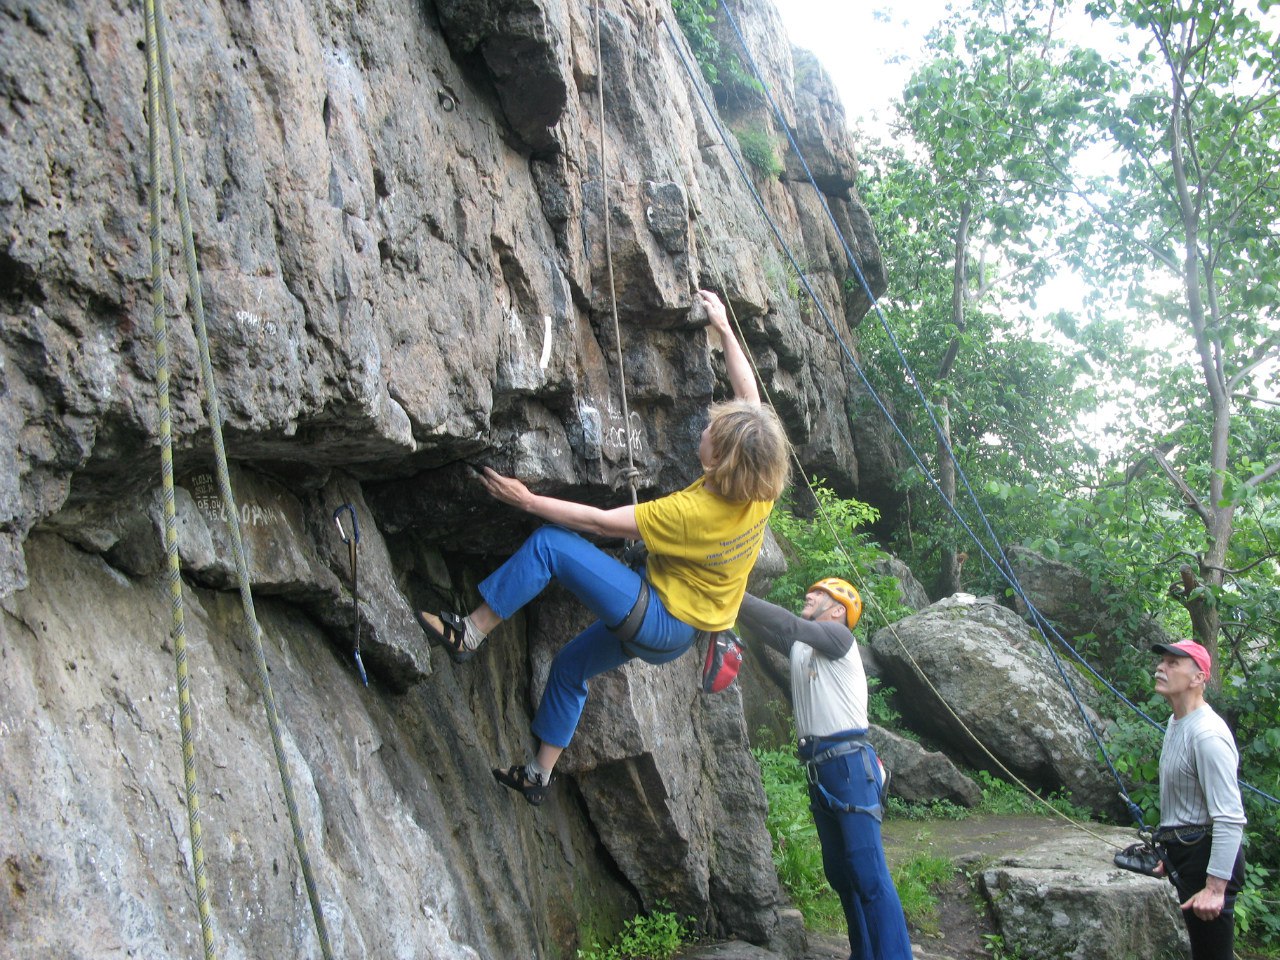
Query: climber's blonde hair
[{"x": 749, "y": 448}]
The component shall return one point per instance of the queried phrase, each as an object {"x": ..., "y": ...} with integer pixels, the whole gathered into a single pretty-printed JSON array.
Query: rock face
[
  {"x": 1069, "y": 600},
  {"x": 1065, "y": 900},
  {"x": 399, "y": 211},
  {"x": 985, "y": 664}
]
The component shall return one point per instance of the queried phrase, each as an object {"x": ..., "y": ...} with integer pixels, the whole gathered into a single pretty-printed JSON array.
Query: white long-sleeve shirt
[
  {"x": 1198, "y": 764},
  {"x": 828, "y": 684}
]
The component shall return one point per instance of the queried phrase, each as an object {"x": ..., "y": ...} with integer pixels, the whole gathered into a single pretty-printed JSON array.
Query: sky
[{"x": 868, "y": 49}]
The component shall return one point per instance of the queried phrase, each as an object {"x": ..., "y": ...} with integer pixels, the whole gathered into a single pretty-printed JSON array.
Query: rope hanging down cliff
[
  {"x": 159, "y": 69},
  {"x": 632, "y": 474},
  {"x": 174, "y": 565}
]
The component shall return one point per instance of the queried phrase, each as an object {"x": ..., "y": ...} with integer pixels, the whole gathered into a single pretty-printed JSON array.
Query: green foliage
[
  {"x": 899, "y": 809},
  {"x": 879, "y": 710},
  {"x": 828, "y": 544},
  {"x": 993, "y": 944},
  {"x": 968, "y": 211},
  {"x": 655, "y": 936},
  {"x": 720, "y": 68},
  {"x": 1001, "y": 797},
  {"x": 759, "y": 150}
]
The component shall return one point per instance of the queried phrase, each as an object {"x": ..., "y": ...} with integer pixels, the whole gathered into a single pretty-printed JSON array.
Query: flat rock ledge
[{"x": 1066, "y": 900}]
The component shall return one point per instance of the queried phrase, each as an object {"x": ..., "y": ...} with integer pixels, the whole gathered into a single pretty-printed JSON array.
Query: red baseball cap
[{"x": 1187, "y": 648}]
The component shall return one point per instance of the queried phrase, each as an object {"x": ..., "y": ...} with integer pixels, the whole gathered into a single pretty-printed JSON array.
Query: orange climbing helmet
[{"x": 843, "y": 593}]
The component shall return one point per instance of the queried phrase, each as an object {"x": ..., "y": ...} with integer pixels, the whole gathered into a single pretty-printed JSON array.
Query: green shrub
[
  {"x": 898, "y": 809},
  {"x": 721, "y": 68},
  {"x": 1001, "y": 797},
  {"x": 656, "y": 936},
  {"x": 758, "y": 150},
  {"x": 826, "y": 544}
]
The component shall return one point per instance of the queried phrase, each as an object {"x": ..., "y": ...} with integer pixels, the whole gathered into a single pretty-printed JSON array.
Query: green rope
[
  {"x": 155, "y": 9},
  {"x": 161, "y": 334}
]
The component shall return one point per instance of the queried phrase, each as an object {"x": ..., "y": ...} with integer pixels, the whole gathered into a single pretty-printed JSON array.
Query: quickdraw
[{"x": 353, "y": 543}]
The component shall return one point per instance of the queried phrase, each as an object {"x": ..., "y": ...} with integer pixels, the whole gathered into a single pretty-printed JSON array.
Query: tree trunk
[
  {"x": 1216, "y": 515},
  {"x": 949, "y": 569},
  {"x": 949, "y": 572}
]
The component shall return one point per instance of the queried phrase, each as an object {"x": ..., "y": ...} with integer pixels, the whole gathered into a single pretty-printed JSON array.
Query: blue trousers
[
  {"x": 608, "y": 588},
  {"x": 853, "y": 856}
]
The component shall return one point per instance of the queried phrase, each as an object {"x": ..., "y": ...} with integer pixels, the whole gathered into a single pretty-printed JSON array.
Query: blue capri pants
[{"x": 608, "y": 588}]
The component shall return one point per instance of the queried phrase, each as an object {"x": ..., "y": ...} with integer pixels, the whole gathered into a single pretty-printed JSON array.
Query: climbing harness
[
  {"x": 814, "y": 753},
  {"x": 353, "y": 544},
  {"x": 159, "y": 74},
  {"x": 627, "y": 628}
]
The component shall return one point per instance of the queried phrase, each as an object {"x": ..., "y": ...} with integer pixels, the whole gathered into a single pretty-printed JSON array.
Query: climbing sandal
[
  {"x": 1139, "y": 858},
  {"x": 450, "y": 634},
  {"x": 516, "y": 779}
]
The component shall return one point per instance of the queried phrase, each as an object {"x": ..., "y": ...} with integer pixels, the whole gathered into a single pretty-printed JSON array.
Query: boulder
[
  {"x": 918, "y": 775},
  {"x": 972, "y": 677},
  {"x": 911, "y": 592},
  {"x": 1066, "y": 900}
]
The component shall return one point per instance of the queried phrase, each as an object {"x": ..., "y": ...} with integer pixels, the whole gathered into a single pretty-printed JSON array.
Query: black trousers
[{"x": 1210, "y": 939}]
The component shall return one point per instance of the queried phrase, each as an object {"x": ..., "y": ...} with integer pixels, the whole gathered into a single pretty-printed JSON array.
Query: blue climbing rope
[{"x": 1002, "y": 566}]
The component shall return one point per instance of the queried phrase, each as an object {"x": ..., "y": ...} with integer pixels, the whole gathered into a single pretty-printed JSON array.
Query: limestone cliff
[{"x": 398, "y": 210}]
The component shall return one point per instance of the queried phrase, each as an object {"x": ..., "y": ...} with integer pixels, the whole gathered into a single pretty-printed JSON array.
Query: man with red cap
[
  {"x": 846, "y": 778},
  {"x": 1201, "y": 815}
]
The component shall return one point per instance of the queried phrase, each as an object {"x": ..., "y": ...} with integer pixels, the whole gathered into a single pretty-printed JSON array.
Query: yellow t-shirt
[{"x": 701, "y": 548}]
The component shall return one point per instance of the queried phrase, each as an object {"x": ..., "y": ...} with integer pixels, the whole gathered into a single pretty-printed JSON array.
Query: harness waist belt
[
  {"x": 1185, "y": 835},
  {"x": 839, "y": 750},
  {"x": 630, "y": 625}
]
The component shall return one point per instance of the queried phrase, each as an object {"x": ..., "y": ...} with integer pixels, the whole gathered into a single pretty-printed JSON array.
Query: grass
[
  {"x": 759, "y": 150},
  {"x": 1001, "y": 797}
]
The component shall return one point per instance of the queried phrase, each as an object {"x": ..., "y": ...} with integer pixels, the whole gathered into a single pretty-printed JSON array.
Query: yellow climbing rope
[
  {"x": 631, "y": 474},
  {"x": 161, "y": 335},
  {"x": 158, "y": 66}
]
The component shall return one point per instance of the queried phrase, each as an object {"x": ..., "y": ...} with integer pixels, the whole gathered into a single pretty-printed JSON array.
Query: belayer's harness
[
  {"x": 1142, "y": 857},
  {"x": 814, "y": 753}
]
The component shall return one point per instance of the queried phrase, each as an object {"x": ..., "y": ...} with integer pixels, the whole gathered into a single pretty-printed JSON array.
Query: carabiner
[{"x": 355, "y": 527}]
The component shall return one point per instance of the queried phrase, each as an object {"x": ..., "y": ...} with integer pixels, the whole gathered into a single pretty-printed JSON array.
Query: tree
[
  {"x": 964, "y": 206},
  {"x": 1195, "y": 210}
]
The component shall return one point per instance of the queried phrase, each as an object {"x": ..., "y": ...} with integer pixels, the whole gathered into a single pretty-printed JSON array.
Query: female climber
[{"x": 702, "y": 542}]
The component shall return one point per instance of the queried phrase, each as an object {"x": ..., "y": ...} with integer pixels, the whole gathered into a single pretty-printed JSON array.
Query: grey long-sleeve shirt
[
  {"x": 828, "y": 685},
  {"x": 1198, "y": 783}
]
